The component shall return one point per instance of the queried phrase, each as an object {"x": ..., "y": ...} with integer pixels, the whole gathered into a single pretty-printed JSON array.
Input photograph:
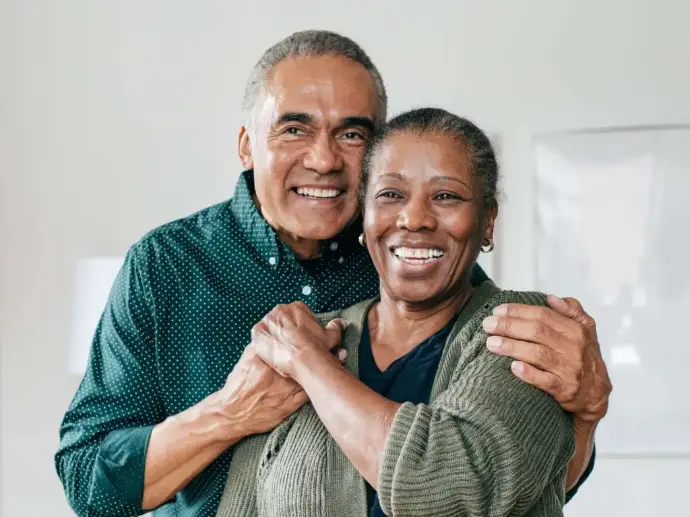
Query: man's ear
[{"x": 244, "y": 149}]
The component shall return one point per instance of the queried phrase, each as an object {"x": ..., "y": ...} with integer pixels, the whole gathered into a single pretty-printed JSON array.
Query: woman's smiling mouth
[{"x": 417, "y": 256}]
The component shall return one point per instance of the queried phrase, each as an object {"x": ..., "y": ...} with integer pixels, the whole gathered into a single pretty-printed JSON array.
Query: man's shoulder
[{"x": 194, "y": 228}]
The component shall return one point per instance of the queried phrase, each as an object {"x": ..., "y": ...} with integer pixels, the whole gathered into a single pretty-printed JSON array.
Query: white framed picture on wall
[{"x": 612, "y": 228}]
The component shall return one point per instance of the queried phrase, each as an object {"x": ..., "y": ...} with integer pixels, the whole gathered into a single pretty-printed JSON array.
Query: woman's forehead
[{"x": 413, "y": 154}]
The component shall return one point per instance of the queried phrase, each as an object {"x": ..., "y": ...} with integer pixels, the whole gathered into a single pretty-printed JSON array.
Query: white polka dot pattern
[{"x": 179, "y": 316}]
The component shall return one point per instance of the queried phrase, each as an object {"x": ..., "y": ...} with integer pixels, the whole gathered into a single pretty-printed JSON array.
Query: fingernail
[
  {"x": 490, "y": 323},
  {"x": 493, "y": 343},
  {"x": 518, "y": 367},
  {"x": 501, "y": 310}
]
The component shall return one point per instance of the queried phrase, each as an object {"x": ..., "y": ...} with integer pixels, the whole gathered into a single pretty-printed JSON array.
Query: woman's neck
[{"x": 396, "y": 327}]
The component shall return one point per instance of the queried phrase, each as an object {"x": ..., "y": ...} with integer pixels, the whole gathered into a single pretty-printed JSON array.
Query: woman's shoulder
[
  {"x": 485, "y": 299},
  {"x": 488, "y": 296},
  {"x": 353, "y": 314}
]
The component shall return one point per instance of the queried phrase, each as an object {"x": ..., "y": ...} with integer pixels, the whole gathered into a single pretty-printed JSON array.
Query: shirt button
[
  {"x": 272, "y": 261},
  {"x": 334, "y": 246},
  {"x": 306, "y": 290},
  {"x": 341, "y": 260}
]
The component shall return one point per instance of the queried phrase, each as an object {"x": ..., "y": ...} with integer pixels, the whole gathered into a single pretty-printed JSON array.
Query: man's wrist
[
  {"x": 585, "y": 429},
  {"x": 220, "y": 419}
]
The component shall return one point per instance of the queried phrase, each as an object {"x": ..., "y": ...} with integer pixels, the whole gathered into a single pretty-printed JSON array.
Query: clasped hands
[{"x": 555, "y": 349}]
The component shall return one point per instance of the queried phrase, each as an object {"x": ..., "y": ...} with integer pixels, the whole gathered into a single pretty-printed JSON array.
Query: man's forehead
[{"x": 324, "y": 86}]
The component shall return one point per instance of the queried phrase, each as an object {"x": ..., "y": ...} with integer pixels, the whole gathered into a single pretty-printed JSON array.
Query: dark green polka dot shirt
[{"x": 177, "y": 320}]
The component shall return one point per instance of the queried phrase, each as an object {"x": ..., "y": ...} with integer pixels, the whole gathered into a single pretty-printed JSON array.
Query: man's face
[{"x": 306, "y": 150}]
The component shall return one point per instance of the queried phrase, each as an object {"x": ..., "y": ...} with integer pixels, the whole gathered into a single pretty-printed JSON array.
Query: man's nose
[{"x": 324, "y": 155}]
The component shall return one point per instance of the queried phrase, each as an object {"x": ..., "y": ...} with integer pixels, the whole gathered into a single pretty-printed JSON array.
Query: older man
[{"x": 154, "y": 419}]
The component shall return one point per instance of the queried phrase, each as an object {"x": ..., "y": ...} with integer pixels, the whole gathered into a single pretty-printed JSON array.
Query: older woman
[{"x": 422, "y": 419}]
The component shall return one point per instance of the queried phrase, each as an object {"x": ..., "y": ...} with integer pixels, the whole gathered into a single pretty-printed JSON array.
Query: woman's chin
[{"x": 414, "y": 294}]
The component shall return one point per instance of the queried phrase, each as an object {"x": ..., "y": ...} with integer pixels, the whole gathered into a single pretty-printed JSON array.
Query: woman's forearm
[
  {"x": 357, "y": 418},
  {"x": 584, "y": 445}
]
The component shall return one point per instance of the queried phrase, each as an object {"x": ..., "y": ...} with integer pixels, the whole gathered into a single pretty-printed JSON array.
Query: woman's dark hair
[{"x": 438, "y": 121}]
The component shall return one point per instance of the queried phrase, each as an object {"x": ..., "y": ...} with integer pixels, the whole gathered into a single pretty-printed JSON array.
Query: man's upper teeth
[
  {"x": 418, "y": 252},
  {"x": 317, "y": 192}
]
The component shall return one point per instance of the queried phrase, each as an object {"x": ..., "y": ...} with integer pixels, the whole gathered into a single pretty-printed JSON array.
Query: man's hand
[
  {"x": 256, "y": 398},
  {"x": 259, "y": 392},
  {"x": 556, "y": 349}
]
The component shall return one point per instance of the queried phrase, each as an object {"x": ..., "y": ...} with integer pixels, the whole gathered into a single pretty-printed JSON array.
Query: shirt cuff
[
  {"x": 590, "y": 466},
  {"x": 118, "y": 475}
]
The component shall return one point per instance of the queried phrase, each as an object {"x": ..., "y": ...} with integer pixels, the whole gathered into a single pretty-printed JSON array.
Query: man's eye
[
  {"x": 353, "y": 135},
  {"x": 292, "y": 130}
]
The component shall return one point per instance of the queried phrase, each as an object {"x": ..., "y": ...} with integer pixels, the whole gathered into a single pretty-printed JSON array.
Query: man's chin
[{"x": 322, "y": 230}]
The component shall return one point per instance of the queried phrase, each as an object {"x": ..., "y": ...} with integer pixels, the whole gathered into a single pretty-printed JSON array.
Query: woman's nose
[{"x": 416, "y": 215}]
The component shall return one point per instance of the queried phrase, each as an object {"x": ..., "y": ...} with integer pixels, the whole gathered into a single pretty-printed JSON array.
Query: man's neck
[{"x": 304, "y": 249}]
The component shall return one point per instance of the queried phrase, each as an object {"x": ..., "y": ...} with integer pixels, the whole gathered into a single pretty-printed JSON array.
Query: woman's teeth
[
  {"x": 418, "y": 255},
  {"x": 317, "y": 192}
]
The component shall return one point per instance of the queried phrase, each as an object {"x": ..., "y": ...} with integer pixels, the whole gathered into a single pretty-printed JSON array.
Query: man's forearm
[
  {"x": 584, "y": 445},
  {"x": 185, "y": 444}
]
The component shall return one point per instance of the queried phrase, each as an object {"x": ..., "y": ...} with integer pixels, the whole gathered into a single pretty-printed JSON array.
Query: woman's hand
[{"x": 289, "y": 332}]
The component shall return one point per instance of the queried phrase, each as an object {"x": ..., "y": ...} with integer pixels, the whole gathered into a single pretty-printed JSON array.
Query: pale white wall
[{"x": 117, "y": 116}]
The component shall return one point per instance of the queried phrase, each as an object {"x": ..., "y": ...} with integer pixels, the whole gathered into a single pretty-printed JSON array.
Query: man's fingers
[
  {"x": 342, "y": 355},
  {"x": 545, "y": 381},
  {"x": 532, "y": 353},
  {"x": 521, "y": 329},
  {"x": 334, "y": 332},
  {"x": 570, "y": 308},
  {"x": 557, "y": 321}
]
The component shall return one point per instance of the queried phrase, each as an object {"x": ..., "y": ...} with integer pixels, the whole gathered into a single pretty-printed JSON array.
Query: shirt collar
[
  {"x": 255, "y": 228},
  {"x": 264, "y": 238}
]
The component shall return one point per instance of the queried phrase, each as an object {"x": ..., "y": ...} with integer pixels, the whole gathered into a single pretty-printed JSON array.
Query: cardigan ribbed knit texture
[{"x": 487, "y": 444}]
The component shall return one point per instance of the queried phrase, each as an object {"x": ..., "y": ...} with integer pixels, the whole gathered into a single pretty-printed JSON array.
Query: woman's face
[{"x": 424, "y": 216}]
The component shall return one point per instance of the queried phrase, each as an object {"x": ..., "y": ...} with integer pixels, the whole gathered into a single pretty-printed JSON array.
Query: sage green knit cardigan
[{"x": 487, "y": 444}]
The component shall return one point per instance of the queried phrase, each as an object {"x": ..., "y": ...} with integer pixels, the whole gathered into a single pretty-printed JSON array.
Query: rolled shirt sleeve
[{"x": 105, "y": 432}]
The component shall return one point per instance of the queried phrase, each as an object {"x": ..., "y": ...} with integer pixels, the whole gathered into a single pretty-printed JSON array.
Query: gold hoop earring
[
  {"x": 362, "y": 240},
  {"x": 489, "y": 248}
]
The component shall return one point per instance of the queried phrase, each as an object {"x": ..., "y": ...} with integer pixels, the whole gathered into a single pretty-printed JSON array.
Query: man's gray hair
[{"x": 311, "y": 43}]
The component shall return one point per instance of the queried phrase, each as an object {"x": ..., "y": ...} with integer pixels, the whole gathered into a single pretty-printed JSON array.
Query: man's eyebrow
[
  {"x": 295, "y": 116},
  {"x": 364, "y": 122}
]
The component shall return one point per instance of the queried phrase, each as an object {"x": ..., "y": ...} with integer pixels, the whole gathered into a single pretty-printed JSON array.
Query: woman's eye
[
  {"x": 445, "y": 196},
  {"x": 389, "y": 194}
]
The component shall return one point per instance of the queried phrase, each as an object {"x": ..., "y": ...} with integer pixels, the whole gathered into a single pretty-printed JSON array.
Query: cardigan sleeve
[{"x": 489, "y": 444}]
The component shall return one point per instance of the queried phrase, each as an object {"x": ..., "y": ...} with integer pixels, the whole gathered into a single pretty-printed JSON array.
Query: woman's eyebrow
[
  {"x": 394, "y": 175},
  {"x": 451, "y": 178}
]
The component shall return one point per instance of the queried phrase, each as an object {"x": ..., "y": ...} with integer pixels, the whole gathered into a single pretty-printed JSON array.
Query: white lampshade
[{"x": 93, "y": 280}]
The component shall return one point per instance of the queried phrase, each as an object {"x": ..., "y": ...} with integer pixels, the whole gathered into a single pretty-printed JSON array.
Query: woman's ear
[
  {"x": 491, "y": 215},
  {"x": 244, "y": 149}
]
